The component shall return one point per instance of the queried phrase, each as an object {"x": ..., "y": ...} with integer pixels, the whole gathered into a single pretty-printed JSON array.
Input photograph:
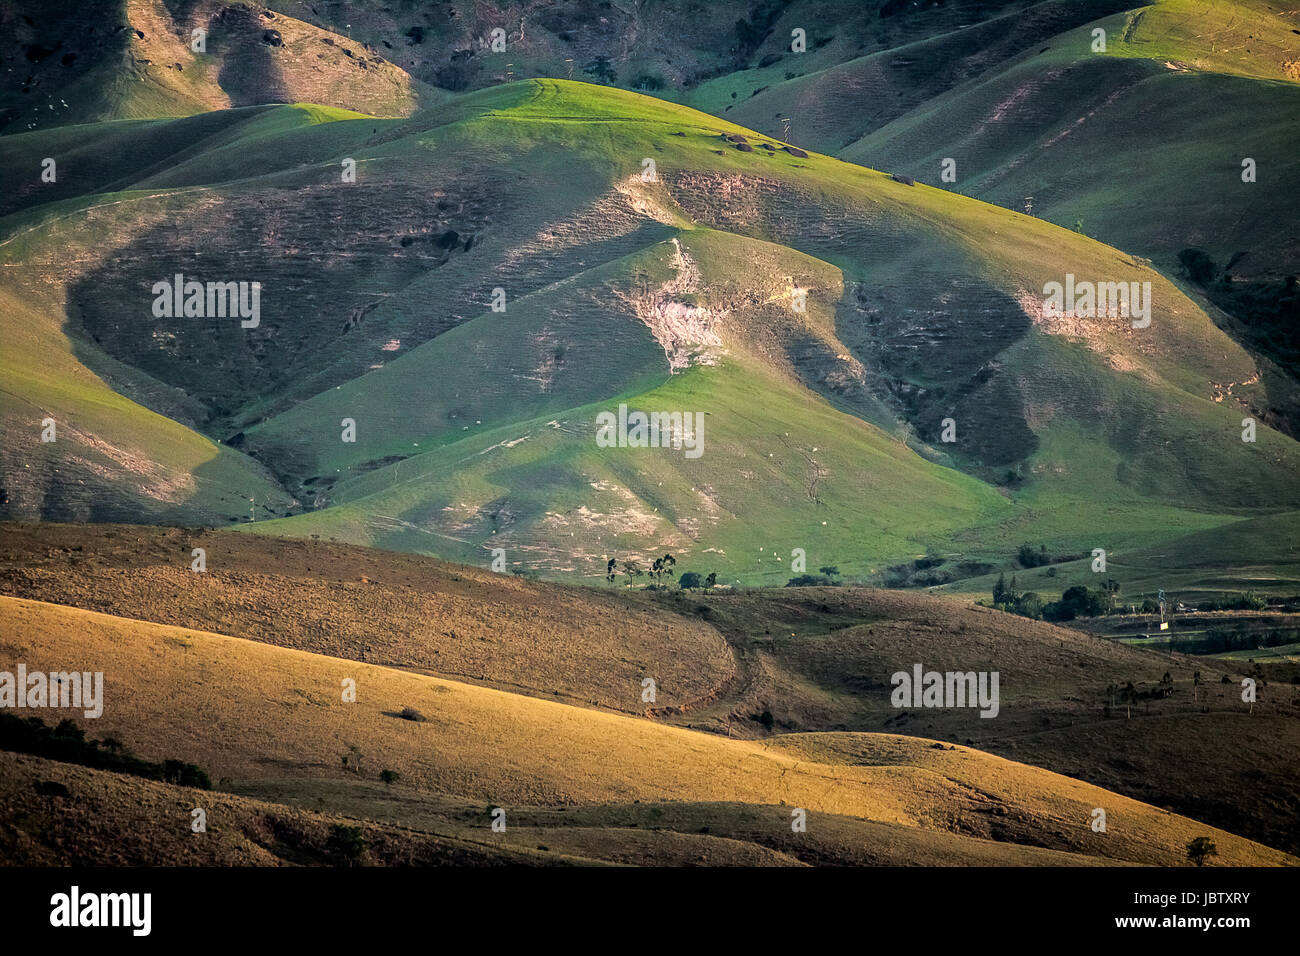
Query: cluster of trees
[
  {"x": 1128, "y": 695},
  {"x": 602, "y": 70},
  {"x": 346, "y": 844},
  {"x": 827, "y": 577},
  {"x": 1029, "y": 558},
  {"x": 631, "y": 569},
  {"x": 1078, "y": 601},
  {"x": 1249, "y": 601},
  {"x": 691, "y": 581},
  {"x": 1220, "y": 640},
  {"x": 1013, "y": 601},
  {"x": 658, "y": 570},
  {"x": 67, "y": 742},
  {"x": 928, "y": 572}
]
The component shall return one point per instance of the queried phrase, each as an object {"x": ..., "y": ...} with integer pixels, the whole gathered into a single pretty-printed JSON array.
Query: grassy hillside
[
  {"x": 93, "y": 60},
  {"x": 1251, "y": 38},
  {"x": 108, "y": 819},
  {"x": 474, "y": 427},
  {"x": 111, "y": 457},
  {"x": 833, "y": 261},
  {"x": 841, "y": 99},
  {"x": 579, "y": 645},
  {"x": 1197, "y": 90},
  {"x": 504, "y": 750},
  {"x": 672, "y": 48},
  {"x": 112, "y": 157},
  {"x": 543, "y": 492},
  {"x": 1203, "y": 565},
  {"x": 1057, "y": 132}
]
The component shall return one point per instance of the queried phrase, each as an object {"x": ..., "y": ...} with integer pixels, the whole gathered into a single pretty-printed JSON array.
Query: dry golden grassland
[
  {"x": 573, "y": 644},
  {"x": 814, "y": 659},
  {"x": 252, "y": 712}
]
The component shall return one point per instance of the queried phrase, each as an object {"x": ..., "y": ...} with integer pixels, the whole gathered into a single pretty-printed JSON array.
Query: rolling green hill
[
  {"x": 1144, "y": 143},
  {"x": 474, "y": 428},
  {"x": 1144, "y": 146}
]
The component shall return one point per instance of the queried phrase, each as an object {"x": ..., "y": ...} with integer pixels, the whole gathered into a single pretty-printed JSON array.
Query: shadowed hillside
[{"x": 82, "y": 61}]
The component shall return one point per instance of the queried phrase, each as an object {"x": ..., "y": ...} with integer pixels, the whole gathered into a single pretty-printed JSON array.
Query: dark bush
[
  {"x": 1029, "y": 558},
  {"x": 1197, "y": 265},
  {"x": 347, "y": 844},
  {"x": 601, "y": 69},
  {"x": 812, "y": 581}
]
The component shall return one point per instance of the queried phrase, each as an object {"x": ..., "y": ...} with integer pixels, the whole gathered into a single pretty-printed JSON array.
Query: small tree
[
  {"x": 689, "y": 581},
  {"x": 632, "y": 570},
  {"x": 711, "y": 580},
  {"x": 352, "y": 759},
  {"x": 389, "y": 777},
  {"x": 601, "y": 69},
  {"x": 611, "y": 570},
  {"x": 661, "y": 567},
  {"x": 1166, "y": 684},
  {"x": 1201, "y": 849}
]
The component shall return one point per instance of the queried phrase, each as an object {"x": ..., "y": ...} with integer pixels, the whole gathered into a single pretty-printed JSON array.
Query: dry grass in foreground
[{"x": 254, "y": 713}]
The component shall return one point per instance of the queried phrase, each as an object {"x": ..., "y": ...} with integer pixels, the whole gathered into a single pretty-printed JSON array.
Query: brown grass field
[
  {"x": 260, "y": 717},
  {"x": 816, "y": 660}
]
